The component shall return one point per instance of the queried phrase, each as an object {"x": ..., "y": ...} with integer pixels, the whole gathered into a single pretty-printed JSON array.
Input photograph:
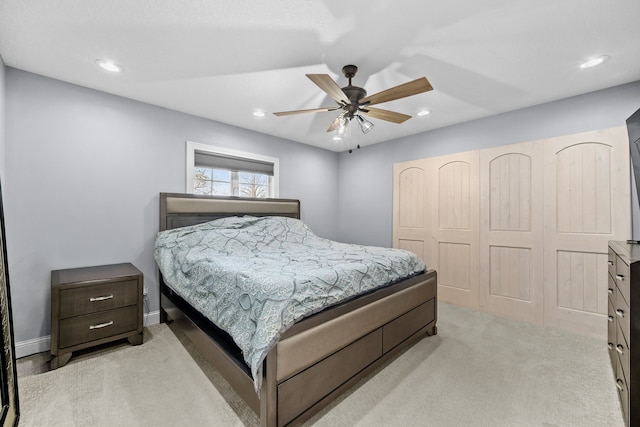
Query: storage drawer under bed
[
  {"x": 325, "y": 376},
  {"x": 398, "y": 330}
]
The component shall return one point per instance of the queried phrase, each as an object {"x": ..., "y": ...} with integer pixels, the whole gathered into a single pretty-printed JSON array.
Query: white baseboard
[
  {"x": 42, "y": 344},
  {"x": 152, "y": 318},
  {"x": 36, "y": 345}
]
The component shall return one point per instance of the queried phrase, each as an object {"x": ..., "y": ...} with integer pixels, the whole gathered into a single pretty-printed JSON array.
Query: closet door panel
[
  {"x": 410, "y": 216},
  {"x": 587, "y": 203},
  {"x": 510, "y": 272},
  {"x": 511, "y": 237},
  {"x": 454, "y": 250},
  {"x": 521, "y": 230}
]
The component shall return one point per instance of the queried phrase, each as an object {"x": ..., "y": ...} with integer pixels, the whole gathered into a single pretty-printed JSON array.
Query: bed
[{"x": 318, "y": 357}]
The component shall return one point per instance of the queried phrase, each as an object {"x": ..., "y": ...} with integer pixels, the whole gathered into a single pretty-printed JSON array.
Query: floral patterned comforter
[{"x": 254, "y": 277}]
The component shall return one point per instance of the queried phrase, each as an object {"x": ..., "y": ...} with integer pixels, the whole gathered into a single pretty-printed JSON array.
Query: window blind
[{"x": 237, "y": 164}]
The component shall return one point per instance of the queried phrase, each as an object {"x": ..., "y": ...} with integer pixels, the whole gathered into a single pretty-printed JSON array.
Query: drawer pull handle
[
  {"x": 610, "y": 318},
  {"x": 620, "y": 349},
  {"x": 610, "y": 262},
  {"x": 620, "y": 277},
  {"x": 610, "y": 345},
  {"x": 101, "y": 325},
  {"x": 102, "y": 298},
  {"x": 620, "y": 313},
  {"x": 610, "y": 290},
  {"x": 619, "y": 384}
]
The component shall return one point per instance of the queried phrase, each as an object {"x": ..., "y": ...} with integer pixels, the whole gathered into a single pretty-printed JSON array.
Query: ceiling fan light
[
  {"x": 365, "y": 125},
  {"x": 342, "y": 129}
]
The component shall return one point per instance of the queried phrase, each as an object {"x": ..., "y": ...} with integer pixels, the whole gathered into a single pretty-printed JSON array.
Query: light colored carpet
[
  {"x": 479, "y": 370},
  {"x": 154, "y": 384}
]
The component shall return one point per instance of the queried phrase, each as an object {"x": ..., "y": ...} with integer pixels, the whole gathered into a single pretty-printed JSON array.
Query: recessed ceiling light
[
  {"x": 258, "y": 113},
  {"x": 109, "y": 66},
  {"x": 594, "y": 61},
  {"x": 424, "y": 112}
]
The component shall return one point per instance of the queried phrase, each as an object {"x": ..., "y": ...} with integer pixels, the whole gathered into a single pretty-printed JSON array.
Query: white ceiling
[{"x": 223, "y": 59}]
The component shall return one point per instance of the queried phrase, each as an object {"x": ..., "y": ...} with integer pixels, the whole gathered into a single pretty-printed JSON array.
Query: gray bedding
[{"x": 254, "y": 277}]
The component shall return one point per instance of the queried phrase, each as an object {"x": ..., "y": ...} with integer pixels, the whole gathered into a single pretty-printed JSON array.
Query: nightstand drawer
[
  {"x": 95, "y": 298},
  {"x": 91, "y": 327}
]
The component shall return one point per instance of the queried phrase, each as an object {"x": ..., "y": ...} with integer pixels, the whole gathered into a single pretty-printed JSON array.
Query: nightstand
[{"x": 92, "y": 306}]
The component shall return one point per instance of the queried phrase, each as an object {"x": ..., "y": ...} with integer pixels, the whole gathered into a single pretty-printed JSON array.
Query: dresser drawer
[
  {"x": 95, "y": 298},
  {"x": 611, "y": 335},
  {"x": 611, "y": 262},
  {"x": 622, "y": 277},
  {"x": 612, "y": 289},
  {"x": 623, "y": 314},
  {"x": 623, "y": 393},
  {"x": 91, "y": 327},
  {"x": 622, "y": 349}
]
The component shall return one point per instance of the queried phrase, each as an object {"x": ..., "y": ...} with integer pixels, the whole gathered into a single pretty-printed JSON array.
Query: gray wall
[
  {"x": 366, "y": 175},
  {"x": 85, "y": 169}
]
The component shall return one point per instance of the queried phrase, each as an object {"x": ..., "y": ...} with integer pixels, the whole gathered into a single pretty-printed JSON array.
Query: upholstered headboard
[{"x": 181, "y": 210}]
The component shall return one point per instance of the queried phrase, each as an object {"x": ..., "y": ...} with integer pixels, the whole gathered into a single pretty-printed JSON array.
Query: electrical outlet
[{"x": 145, "y": 291}]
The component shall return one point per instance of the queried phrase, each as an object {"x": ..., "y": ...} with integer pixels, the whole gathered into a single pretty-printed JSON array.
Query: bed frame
[{"x": 320, "y": 356}]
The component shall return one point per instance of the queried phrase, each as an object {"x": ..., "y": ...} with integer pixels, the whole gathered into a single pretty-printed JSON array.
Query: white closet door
[
  {"x": 454, "y": 251},
  {"x": 511, "y": 231},
  {"x": 410, "y": 216},
  {"x": 587, "y": 203}
]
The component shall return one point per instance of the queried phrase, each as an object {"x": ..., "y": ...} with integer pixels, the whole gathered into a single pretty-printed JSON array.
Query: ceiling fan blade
[
  {"x": 327, "y": 84},
  {"x": 390, "y": 116},
  {"x": 401, "y": 91},
  {"x": 312, "y": 110}
]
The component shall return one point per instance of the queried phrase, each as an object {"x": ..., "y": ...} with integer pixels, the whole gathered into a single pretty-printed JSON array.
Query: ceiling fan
[{"x": 353, "y": 100}]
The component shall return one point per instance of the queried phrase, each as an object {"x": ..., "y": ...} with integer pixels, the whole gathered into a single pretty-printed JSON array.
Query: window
[{"x": 224, "y": 172}]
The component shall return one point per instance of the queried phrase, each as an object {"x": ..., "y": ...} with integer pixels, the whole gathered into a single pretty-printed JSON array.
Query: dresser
[
  {"x": 92, "y": 306},
  {"x": 624, "y": 325}
]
